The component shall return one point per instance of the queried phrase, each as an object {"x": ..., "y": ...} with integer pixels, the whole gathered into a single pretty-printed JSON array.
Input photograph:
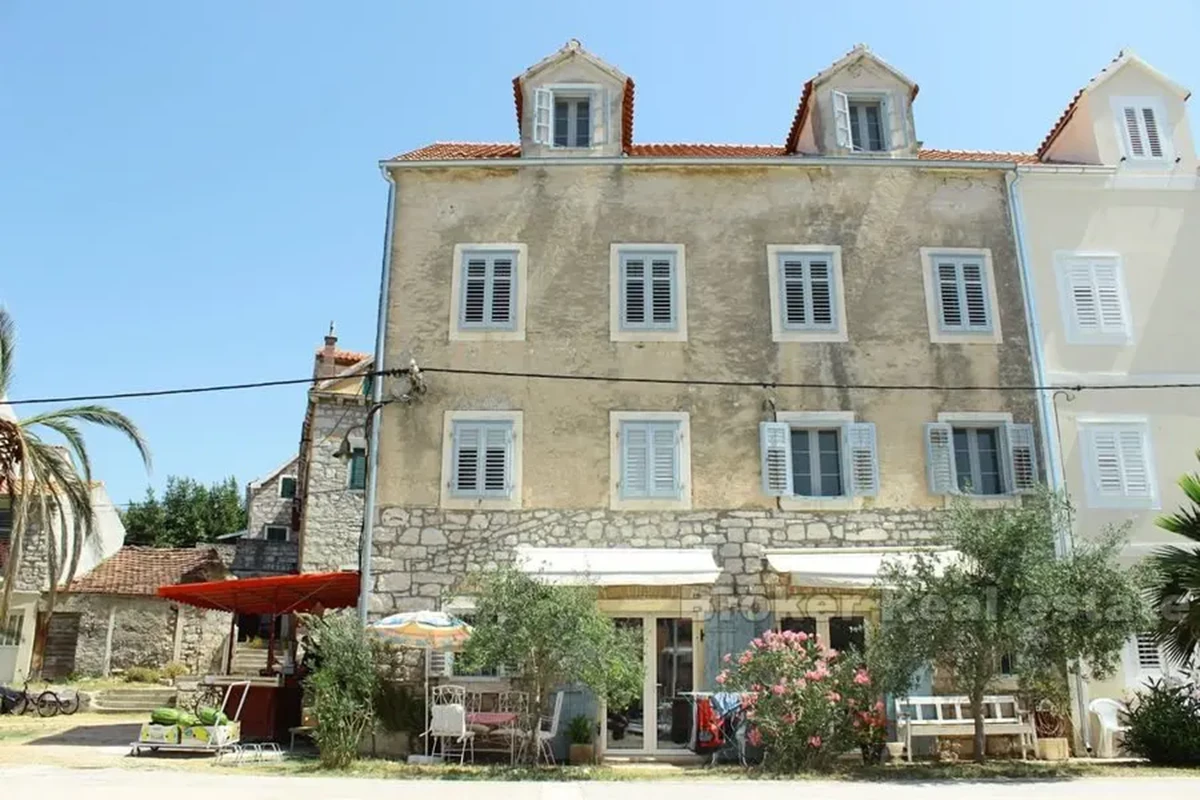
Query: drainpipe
[
  {"x": 368, "y": 530},
  {"x": 1052, "y": 447}
]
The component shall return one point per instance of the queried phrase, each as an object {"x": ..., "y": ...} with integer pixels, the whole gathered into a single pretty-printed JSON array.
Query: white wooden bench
[{"x": 951, "y": 716}]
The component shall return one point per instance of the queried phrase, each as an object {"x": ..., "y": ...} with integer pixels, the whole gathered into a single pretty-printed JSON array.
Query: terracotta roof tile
[
  {"x": 141, "y": 570},
  {"x": 453, "y": 151},
  {"x": 345, "y": 357}
]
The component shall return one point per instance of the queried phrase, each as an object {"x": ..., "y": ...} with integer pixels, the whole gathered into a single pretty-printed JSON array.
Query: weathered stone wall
[
  {"x": 143, "y": 633},
  {"x": 33, "y": 571},
  {"x": 264, "y": 506},
  {"x": 333, "y": 513},
  {"x": 261, "y": 557},
  {"x": 420, "y": 554}
]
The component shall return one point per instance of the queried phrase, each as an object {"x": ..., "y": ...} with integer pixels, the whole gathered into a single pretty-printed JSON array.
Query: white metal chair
[
  {"x": 546, "y": 735},
  {"x": 1109, "y": 712},
  {"x": 449, "y": 694},
  {"x": 448, "y": 725}
]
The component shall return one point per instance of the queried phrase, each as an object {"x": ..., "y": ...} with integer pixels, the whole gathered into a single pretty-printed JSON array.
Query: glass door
[
  {"x": 625, "y": 728},
  {"x": 674, "y": 679}
]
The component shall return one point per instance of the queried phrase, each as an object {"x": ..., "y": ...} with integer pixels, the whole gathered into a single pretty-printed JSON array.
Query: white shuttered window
[
  {"x": 807, "y": 296},
  {"x": 649, "y": 290},
  {"x": 980, "y": 458},
  {"x": 650, "y": 454},
  {"x": 1118, "y": 465},
  {"x": 1143, "y": 128},
  {"x": 815, "y": 458},
  {"x": 962, "y": 293},
  {"x": 1094, "y": 304},
  {"x": 488, "y": 291},
  {"x": 482, "y": 459}
]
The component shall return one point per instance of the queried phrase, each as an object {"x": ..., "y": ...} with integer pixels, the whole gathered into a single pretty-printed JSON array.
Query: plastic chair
[{"x": 1109, "y": 712}]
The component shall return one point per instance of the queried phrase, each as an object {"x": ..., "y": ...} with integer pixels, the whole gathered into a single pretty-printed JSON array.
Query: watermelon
[
  {"x": 165, "y": 716},
  {"x": 211, "y": 716},
  {"x": 187, "y": 720}
]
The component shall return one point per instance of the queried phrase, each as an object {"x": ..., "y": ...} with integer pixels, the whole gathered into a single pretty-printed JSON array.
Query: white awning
[
  {"x": 618, "y": 566},
  {"x": 846, "y": 568}
]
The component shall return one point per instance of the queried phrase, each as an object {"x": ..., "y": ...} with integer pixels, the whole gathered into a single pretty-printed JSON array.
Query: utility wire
[{"x": 566, "y": 376}]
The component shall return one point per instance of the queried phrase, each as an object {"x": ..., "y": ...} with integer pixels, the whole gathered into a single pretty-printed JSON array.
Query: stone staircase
[
  {"x": 249, "y": 660},
  {"x": 140, "y": 698}
]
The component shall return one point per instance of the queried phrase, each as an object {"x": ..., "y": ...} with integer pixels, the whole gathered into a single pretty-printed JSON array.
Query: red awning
[{"x": 276, "y": 594}]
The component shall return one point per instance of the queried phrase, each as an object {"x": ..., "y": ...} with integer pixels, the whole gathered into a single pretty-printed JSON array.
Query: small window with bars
[
  {"x": 962, "y": 292},
  {"x": 806, "y": 289},
  {"x": 489, "y": 291},
  {"x": 649, "y": 287},
  {"x": 482, "y": 458},
  {"x": 1141, "y": 122},
  {"x": 1093, "y": 294}
]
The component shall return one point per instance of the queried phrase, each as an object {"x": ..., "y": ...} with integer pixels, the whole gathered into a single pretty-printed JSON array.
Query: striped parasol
[{"x": 435, "y": 630}]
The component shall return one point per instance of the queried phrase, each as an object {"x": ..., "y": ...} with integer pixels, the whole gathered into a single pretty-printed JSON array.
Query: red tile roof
[
  {"x": 454, "y": 151},
  {"x": 1072, "y": 107},
  {"x": 141, "y": 570},
  {"x": 344, "y": 357}
]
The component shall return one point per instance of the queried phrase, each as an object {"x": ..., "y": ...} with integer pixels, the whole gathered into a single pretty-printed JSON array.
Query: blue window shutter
[
  {"x": 634, "y": 294},
  {"x": 473, "y": 306},
  {"x": 861, "y": 465},
  {"x": 1022, "y": 457},
  {"x": 358, "y": 469},
  {"x": 497, "y": 449},
  {"x": 502, "y": 286},
  {"x": 635, "y": 459},
  {"x": 664, "y": 463},
  {"x": 939, "y": 458},
  {"x": 465, "y": 477},
  {"x": 489, "y": 291},
  {"x": 649, "y": 287},
  {"x": 775, "y": 446}
]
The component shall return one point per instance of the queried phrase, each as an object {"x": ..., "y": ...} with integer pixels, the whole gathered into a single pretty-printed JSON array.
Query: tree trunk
[{"x": 977, "y": 714}]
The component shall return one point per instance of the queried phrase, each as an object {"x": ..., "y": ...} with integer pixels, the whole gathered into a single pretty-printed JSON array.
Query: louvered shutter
[
  {"x": 775, "y": 445},
  {"x": 1135, "y": 472},
  {"x": 951, "y": 303},
  {"x": 466, "y": 440},
  {"x": 974, "y": 288},
  {"x": 1149, "y": 656},
  {"x": 1084, "y": 307},
  {"x": 794, "y": 297},
  {"x": 807, "y": 292},
  {"x": 662, "y": 291},
  {"x": 1153, "y": 141},
  {"x": 1133, "y": 133},
  {"x": 497, "y": 446},
  {"x": 543, "y": 104},
  {"x": 475, "y": 291},
  {"x": 633, "y": 291},
  {"x": 820, "y": 292},
  {"x": 635, "y": 459},
  {"x": 501, "y": 290},
  {"x": 1106, "y": 462},
  {"x": 939, "y": 458},
  {"x": 1021, "y": 457},
  {"x": 1109, "y": 301},
  {"x": 664, "y": 440},
  {"x": 841, "y": 119},
  {"x": 862, "y": 459}
]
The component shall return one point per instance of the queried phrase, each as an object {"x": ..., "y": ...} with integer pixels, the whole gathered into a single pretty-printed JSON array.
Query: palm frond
[
  {"x": 8, "y": 341},
  {"x": 96, "y": 415},
  {"x": 1185, "y": 521},
  {"x": 75, "y": 444}
]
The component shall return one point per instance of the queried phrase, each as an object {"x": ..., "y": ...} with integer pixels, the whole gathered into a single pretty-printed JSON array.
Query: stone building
[
  {"x": 112, "y": 618},
  {"x": 730, "y": 455}
]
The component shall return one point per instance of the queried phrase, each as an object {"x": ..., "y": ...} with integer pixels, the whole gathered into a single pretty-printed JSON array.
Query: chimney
[{"x": 326, "y": 365}]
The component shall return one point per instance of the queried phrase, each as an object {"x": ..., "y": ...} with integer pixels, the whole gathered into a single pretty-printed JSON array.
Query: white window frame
[
  {"x": 781, "y": 333},
  {"x": 287, "y": 532},
  {"x": 1087, "y": 426},
  {"x": 822, "y": 419},
  {"x": 617, "y": 332},
  {"x": 1137, "y": 676},
  {"x": 598, "y": 110},
  {"x": 619, "y": 503},
  {"x": 881, "y": 96},
  {"x": 279, "y": 487},
  {"x": 982, "y": 419},
  {"x": 513, "y": 333},
  {"x": 1167, "y": 159},
  {"x": 1064, "y": 263},
  {"x": 933, "y": 298},
  {"x": 448, "y": 498}
]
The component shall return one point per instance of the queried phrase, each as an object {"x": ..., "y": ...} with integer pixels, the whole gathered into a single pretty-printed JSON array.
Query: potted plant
[{"x": 580, "y": 734}]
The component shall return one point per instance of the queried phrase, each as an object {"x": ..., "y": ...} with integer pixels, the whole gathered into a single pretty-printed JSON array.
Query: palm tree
[
  {"x": 45, "y": 481},
  {"x": 1177, "y": 580}
]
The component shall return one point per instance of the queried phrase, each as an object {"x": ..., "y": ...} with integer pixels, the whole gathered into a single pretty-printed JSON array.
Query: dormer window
[
  {"x": 860, "y": 122},
  {"x": 566, "y": 116},
  {"x": 1142, "y": 137}
]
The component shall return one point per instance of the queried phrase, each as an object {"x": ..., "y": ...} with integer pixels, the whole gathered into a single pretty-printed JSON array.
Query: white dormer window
[
  {"x": 570, "y": 115},
  {"x": 861, "y": 121},
  {"x": 1143, "y": 134}
]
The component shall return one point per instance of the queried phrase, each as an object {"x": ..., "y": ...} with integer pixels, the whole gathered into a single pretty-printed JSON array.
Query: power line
[{"x": 566, "y": 376}]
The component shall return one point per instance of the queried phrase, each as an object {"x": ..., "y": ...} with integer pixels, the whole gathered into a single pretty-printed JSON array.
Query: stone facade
[
  {"x": 265, "y": 506},
  {"x": 421, "y": 555},
  {"x": 255, "y": 557},
  {"x": 331, "y": 525}
]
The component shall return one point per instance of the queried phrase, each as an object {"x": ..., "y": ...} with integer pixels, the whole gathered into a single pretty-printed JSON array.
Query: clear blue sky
[{"x": 189, "y": 191}]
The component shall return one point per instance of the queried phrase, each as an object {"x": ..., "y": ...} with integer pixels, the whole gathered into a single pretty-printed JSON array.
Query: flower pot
[
  {"x": 581, "y": 754},
  {"x": 1054, "y": 748},
  {"x": 895, "y": 751}
]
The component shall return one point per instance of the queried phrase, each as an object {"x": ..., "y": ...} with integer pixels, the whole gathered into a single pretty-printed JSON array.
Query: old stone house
[
  {"x": 765, "y": 347},
  {"x": 112, "y": 618}
]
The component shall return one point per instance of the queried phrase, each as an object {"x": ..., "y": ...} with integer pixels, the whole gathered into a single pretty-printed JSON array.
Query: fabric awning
[
  {"x": 618, "y": 566},
  {"x": 847, "y": 568},
  {"x": 275, "y": 594}
]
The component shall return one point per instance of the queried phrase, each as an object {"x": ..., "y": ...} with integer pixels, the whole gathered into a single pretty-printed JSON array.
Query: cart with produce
[{"x": 209, "y": 730}]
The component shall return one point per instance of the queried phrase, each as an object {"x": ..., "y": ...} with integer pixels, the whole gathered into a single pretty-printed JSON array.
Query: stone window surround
[
  {"x": 819, "y": 419},
  {"x": 979, "y": 419},
  {"x": 933, "y": 298},
  {"x": 618, "y": 503},
  {"x": 514, "y": 334},
  {"x": 616, "y": 333},
  {"x": 781, "y": 334},
  {"x": 446, "y": 498}
]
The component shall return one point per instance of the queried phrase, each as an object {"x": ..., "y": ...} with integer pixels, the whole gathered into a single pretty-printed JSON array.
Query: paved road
[{"x": 123, "y": 784}]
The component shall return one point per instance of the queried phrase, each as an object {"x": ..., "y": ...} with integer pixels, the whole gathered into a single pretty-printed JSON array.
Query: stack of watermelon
[{"x": 175, "y": 716}]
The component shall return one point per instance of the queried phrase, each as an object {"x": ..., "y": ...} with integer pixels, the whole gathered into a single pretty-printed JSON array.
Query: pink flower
[
  {"x": 862, "y": 678},
  {"x": 754, "y": 737},
  {"x": 756, "y": 643},
  {"x": 722, "y": 676},
  {"x": 814, "y": 741},
  {"x": 833, "y": 697},
  {"x": 831, "y": 653},
  {"x": 789, "y": 719},
  {"x": 745, "y": 658},
  {"x": 879, "y": 705},
  {"x": 801, "y": 683},
  {"x": 757, "y": 687},
  {"x": 778, "y": 689},
  {"x": 802, "y": 636},
  {"x": 727, "y": 657}
]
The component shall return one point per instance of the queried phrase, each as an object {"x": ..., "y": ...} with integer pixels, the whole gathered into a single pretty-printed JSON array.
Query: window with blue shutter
[
  {"x": 819, "y": 461},
  {"x": 358, "y": 469},
  {"x": 649, "y": 289},
  {"x": 650, "y": 460},
  {"x": 980, "y": 459},
  {"x": 962, "y": 294},
  {"x": 489, "y": 290},
  {"x": 482, "y": 459},
  {"x": 806, "y": 292}
]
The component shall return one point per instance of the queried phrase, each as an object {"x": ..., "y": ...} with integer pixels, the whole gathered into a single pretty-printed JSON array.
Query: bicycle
[{"x": 45, "y": 704}]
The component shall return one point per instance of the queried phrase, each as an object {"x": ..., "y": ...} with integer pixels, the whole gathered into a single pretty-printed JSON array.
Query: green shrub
[
  {"x": 580, "y": 730},
  {"x": 174, "y": 670},
  {"x": 1164, "y": 725},
  {"x": 142, "y": 675},
  {"x": 343, "y": 688}
]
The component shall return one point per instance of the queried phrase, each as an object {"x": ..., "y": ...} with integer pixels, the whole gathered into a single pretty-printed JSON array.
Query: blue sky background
[{"x": 189, "y": 191}]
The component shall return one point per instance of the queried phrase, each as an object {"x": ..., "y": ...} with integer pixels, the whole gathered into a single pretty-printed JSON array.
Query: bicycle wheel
[
  {"x": 19, "y": 706},
  {"x": 47, "y": 704},
  {"x": 208, "y": 697},
  {"x": 68, "y": 705}
]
